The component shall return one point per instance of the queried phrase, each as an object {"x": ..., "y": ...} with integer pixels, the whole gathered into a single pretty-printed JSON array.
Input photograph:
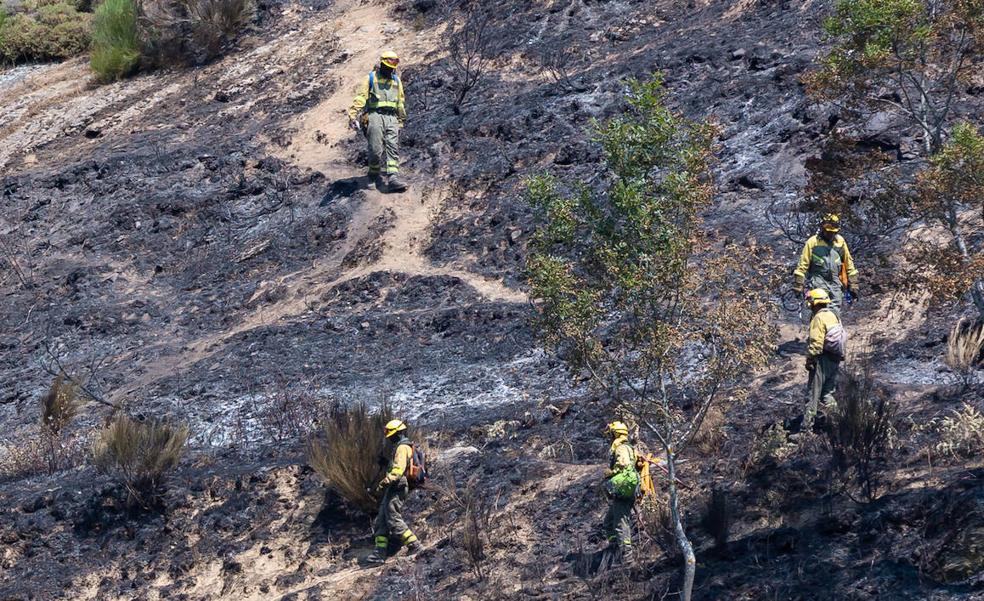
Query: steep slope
[{"x": 203, "y": 237}]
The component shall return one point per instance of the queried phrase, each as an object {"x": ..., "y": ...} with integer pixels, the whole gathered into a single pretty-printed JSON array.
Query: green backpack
[{"x": 624, "y": 484}]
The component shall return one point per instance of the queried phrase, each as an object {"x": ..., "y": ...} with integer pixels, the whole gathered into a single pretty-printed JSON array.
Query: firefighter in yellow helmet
[
  {"x": 378, "y": 111},
  {"x": 395, "y": 488},
  {"x": 621, "y": 487},
  {"x": 825, "y": 350},
  {"x": 826, "y": 263}
]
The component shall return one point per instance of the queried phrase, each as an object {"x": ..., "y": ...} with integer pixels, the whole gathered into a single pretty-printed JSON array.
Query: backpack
[
  {"x": 835, "y": 342},
  {"x": 625, "y": 484},
  {"x": 417, "y": 470}
]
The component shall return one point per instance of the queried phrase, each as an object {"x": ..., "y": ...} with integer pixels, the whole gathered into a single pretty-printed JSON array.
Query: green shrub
[
  {"x": 54, "y": 32},
  {"x": 115, "y": 40},
  {"x": 140, "y": 454}
]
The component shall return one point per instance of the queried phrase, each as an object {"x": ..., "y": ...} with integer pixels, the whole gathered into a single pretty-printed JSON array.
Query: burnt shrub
[
  {"x": 190, "y": 32},
  {"x": 470, "y": 533},
  {"x": 718, "y": 518},
  {"x": 140, "y": 454},
  {"x": 860, "y": 429}
]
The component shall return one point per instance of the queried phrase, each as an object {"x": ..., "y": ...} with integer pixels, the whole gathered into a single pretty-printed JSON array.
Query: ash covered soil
[{"x": 198, "y": 242}]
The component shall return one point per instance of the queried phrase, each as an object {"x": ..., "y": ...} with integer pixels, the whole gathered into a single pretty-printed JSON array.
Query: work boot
[
  {"x": 377, "y": 556},
  {"x": 378, "y": 181},
  {"x": 414, "y": 548},
  {"x": 395, "y": 184}
]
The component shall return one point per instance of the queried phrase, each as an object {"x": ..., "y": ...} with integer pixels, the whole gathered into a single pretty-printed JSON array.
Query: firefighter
[
  {"x": 395, "y": 488},
  {"x": 822, "y": 358},
  {"x": 378, "y": 111},
  {"x": 826, "y": 263},
  {"x": 622, "y": 486}
]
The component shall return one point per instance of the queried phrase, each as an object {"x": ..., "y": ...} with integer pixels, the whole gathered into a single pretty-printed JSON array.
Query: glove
[
  {"x": 354, "y": 125},
  {"x": 811, "y": 362}
]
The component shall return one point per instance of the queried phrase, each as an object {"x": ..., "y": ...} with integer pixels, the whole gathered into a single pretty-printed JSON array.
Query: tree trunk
[
  {"x": 686, "y": 548},
  {"x": 977, "y": 288}
]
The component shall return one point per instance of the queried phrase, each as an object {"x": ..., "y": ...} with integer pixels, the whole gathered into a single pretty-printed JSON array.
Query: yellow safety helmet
[
  {"x": 617, "y": 428},
  {"x": 831, "y": 223},
  {"x": 389, "y": 58},
  {"x": 817, "y": 296},
  {"x": 394, "y": 426}
]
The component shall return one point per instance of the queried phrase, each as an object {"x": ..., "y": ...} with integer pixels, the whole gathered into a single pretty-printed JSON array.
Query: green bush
[
  {"x": 115, "y": 40},
  {"x": 54, "y": 32}
]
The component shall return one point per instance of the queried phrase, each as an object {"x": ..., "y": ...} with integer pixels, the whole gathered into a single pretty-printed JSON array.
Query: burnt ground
[{"x": 164, "y": 230}]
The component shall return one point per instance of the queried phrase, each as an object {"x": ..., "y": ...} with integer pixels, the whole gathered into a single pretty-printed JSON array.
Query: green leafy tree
[
  {"x": 627, "y": 290},
  {"x": 951, "y": 195},
  {"x": 908, "y": 56}
]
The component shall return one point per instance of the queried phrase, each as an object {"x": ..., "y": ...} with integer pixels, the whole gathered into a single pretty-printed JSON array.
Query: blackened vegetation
[{"x": 859, "y": 429}]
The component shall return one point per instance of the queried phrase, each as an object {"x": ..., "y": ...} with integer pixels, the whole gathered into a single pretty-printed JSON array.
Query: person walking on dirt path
[
  {"x": 824, "y": 352},
  {"x": 378, "y": 111},
  {"x": 395, "y": 487},
  {"x": 621, "y": 487},
  {"x": 826, "y": 263}
]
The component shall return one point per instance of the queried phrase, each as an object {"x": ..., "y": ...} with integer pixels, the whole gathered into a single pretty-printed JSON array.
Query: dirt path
[
  {"x": 365, "y": 31},
  {"x": 362, "y": 33}
]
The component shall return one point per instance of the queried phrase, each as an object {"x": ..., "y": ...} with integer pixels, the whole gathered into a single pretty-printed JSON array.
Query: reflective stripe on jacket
[{"x": 377, "y": 92}]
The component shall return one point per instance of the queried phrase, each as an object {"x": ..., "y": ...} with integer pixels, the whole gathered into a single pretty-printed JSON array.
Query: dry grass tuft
[
  {"x": 964, "y": 350},
  {"x": 54, "y": 448},
  {"x": 140, "y": 454},
  {"x": 961, "y": 434},
  {"x": 712, "y": 434},
  {"x": 350, "y": 454}
]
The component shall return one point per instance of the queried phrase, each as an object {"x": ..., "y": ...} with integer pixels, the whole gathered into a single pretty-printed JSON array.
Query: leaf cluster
[
  {"x": 624, "y": 283},
  {"x": 52, "y": 31}
]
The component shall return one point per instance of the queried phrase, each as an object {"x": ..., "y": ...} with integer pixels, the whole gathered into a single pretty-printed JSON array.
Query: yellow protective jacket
[
  {"x": 823, "y": 320},
  {"x": 400, "y": 464},
  {"x": 620, "y": 456},
  {"x": 386, "y": 92},
  {"x": 822, "y": 258}
]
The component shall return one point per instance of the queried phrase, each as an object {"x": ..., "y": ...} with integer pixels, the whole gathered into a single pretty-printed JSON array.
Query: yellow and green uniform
[
  {"x": 618, "y": 520},
  {"x": 820, "y": 266},
  {"x": 822, "y": 383},
  {"x": 380, "y": 101},
  {"x": 389, "y": 520}
]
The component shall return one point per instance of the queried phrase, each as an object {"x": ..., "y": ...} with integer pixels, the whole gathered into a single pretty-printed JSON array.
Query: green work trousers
[
  {"x": 389, "y": 520},
  {"x": 383, "y": 134},
  {"x": 618, "y": 522},
  {"x": 820, "y": 387},
  {"x": 834, "y": 289}
]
